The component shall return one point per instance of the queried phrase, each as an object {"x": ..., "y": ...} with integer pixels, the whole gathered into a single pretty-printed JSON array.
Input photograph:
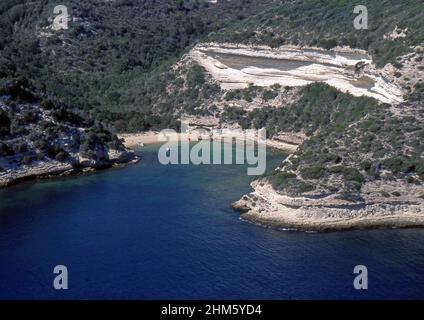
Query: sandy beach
[{"x": 134, "y": 140}]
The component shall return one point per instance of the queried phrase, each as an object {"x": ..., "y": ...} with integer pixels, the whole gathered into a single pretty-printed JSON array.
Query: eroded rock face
[
  {"x": 120, "y": 156},
  {"x": 330, "y": 212},
  {"x": 38, "y": 170},
  {"x": 237, "y": 66},
  {"x": 85, "y": 161}
]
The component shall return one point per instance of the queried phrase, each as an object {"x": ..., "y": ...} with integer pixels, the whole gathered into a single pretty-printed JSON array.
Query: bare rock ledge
[
  {"x": 330, "y": 213},
  {"x": 52, "y": 168}
]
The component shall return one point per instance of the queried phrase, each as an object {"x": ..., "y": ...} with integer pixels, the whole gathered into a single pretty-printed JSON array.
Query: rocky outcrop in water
[
  {"x": 380, "y": 205},
  {"x": 52, "y": 168}
]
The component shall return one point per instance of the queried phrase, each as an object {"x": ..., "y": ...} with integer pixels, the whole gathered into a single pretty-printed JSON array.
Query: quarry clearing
[{"x": 348, "y": 70}]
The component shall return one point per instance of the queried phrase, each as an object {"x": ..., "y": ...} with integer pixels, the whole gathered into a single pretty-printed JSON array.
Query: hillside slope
[
  {"x": 108, "y": 59},
  {"x": 350, "y": 101},
  {"x": 360, "y": 161},
  {"x": 41, "y": 139}
]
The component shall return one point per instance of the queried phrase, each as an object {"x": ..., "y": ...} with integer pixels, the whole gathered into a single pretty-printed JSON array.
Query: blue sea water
[{"x": 167, "y": 232}]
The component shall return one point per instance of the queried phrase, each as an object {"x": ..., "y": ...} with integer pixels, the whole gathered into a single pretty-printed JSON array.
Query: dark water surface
[{"x": 167, "y": 232}]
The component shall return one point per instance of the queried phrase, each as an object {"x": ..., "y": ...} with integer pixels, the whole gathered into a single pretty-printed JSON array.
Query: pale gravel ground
[{"x": 293, "y": 66}]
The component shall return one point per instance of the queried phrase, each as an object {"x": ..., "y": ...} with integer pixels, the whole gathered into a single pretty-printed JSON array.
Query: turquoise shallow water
[{"x": 166, "y": 232}]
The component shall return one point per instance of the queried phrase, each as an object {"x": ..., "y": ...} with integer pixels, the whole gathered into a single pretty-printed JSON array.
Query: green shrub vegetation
[
  {"x": 115, "y": 67},
  {"x": 114, "y": 60},
  {"x": 33, "y": 130},
  {"x": 351, "y": 138},
  {"x": 328, "y": 24}
]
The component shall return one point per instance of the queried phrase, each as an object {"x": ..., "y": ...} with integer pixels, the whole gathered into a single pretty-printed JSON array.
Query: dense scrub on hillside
[
  {"x": 120, "y": 62},
  {"x": 351, "y": 140},
  {"x": 116, "y": 57},
  {"x": 111, "y": 58},
  {"x": 329, "y": 23},
  {"x": 33, "y": 130}
]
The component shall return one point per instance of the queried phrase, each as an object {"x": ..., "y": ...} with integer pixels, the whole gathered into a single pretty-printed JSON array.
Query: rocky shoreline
[
  {"x": 52, "y": 168},
  {"x": 327, "y": 213}
]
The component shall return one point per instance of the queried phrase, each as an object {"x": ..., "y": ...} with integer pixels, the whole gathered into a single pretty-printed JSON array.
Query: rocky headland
[
  {"x": 381, "y": 205},
  {"x": 75, "y": 165}
]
